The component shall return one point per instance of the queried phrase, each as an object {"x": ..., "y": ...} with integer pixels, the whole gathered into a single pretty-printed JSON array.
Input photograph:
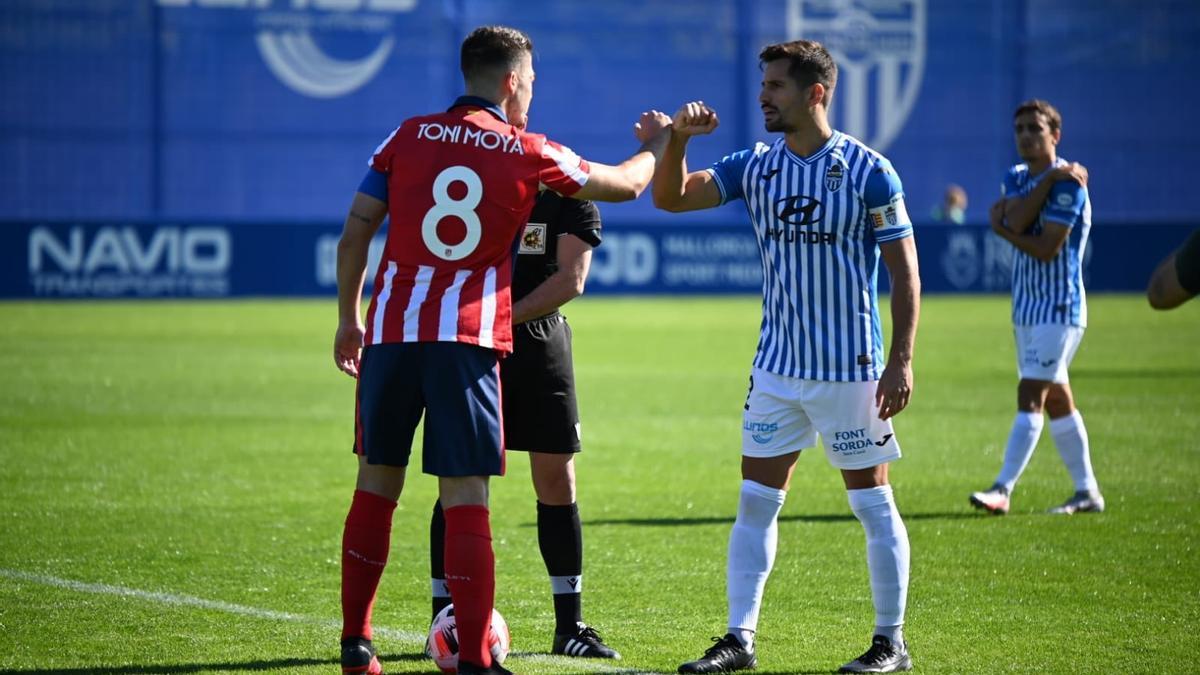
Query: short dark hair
[
  {"x": 809, "y": 62},
  {"x": 1037, "y": 105},
  {"x": 489, "y": 49}
]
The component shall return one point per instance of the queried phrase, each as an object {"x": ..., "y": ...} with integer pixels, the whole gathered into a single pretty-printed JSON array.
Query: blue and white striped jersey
[
  {"x": 819, "y": 220},
  {"x": 1051, "y": 292}
]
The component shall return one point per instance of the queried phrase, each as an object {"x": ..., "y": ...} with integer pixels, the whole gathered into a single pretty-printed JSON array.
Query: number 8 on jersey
[{"x": 464, "y": 209}]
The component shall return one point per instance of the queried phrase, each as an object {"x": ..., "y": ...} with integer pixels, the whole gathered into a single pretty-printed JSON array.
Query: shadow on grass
[
  {"x": 800, "y": 518},
  {"x": 266, "y": 665},
  {"x": 795, "y": 672}
]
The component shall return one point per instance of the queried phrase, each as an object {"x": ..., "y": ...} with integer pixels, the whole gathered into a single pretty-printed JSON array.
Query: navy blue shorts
[{"x": 457, "y": 388}]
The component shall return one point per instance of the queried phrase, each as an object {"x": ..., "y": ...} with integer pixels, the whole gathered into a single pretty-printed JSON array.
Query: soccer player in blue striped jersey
[
  {"x": 825, "y": 208},
  {"x": 1044, "y": 211}
]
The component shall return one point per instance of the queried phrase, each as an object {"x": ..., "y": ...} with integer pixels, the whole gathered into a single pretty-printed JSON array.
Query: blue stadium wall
[{"x": 201, "y": 139}]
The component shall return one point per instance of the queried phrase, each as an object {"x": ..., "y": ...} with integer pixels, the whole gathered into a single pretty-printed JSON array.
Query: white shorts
[
  {"x": 1044, "y": 351},
  {"x": 785, "y": 414}
]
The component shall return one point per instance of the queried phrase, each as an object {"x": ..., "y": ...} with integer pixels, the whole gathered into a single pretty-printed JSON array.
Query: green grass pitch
[{"x": 174, "y": 476}]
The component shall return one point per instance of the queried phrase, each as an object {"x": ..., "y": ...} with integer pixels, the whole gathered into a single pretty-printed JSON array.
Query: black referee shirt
[{"x": 537, "y": 255}]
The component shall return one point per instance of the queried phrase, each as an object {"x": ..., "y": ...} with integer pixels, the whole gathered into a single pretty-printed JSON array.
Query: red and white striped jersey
[{"x": 461, "y": 185}]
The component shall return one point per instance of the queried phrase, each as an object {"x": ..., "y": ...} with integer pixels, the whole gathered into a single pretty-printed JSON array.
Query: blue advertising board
[{"x": 206, "y": 260}]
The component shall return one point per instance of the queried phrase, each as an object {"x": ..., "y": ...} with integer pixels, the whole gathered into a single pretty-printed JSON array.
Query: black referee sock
[
  {"x": 437, "y": 560},
  {"x": 560, "y": 538}
]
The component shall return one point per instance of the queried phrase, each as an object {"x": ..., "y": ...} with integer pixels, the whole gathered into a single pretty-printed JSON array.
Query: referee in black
[{"x": 540, "y": 411}]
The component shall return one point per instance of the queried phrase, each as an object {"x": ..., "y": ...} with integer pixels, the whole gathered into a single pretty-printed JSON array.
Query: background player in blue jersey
[
  {"x": 541, "y": 415},
  {"x": 824, "y": 207},
  {"x": 1044, "y": 211}
]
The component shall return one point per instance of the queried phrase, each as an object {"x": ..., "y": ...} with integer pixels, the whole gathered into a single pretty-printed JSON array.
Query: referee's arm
[{"x": 574, "y": 258}]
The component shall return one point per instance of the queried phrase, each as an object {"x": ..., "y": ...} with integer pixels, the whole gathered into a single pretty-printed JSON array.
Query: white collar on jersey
[{"x": 821, "y": 152}]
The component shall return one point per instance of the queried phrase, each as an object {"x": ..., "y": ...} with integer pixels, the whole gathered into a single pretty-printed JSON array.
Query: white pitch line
[
  {"x": 259, "y": 613},
  {"x": 192, "y": 601}
]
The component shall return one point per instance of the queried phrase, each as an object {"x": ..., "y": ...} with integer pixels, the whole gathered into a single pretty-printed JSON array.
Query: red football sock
[
  {"x": 365, "y": 543},
  {"x": 471, "y": 574}
]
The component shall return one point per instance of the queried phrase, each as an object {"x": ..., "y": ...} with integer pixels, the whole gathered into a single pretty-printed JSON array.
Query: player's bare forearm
[
  {"x": 1164, "y": 290},
  {"x": 896, "y": 383},
  {"x": 627, "y": 180},
  {"x": 566, "y": 284},
  {"x": 901, "y": 260},
  {"x": 365, "y": 217},
  {"x": 641, "y": 167},
  {"x": 667, "y": 190},
  {"x": 557, "y": 290},
  {"x": 351, "y": 275},
  {"x": 366, "y": 214},
  {"x": 1020, "y": 213},
  {"x": 1042, "y": 246}
]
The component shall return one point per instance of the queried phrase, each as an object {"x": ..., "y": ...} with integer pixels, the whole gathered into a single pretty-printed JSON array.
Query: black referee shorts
[{"x": 538, "y": 388}]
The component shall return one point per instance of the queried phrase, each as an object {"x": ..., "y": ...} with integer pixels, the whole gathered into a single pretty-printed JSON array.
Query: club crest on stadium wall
[
  {"x": 293, "y": 39},
  {"x": 879, "y": 46}
]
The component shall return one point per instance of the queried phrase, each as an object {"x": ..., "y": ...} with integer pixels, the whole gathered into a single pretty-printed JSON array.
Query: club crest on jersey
[
  {"x": 533, "y": 240},
  {"x": 879, "y": 46},
  {"x": 802, "y": 210},
  {"x": 889, "y": 215},
  {"x": 833, "y": 177}
]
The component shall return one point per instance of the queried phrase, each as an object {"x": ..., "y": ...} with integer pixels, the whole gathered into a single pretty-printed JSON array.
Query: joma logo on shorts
[{"x": 855, "y": 439}]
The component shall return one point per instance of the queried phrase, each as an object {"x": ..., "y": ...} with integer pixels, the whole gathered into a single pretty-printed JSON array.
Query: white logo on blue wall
[
  {"x": 290, "y": 35},
  {"x": 114, "y": 260},
  {"x": 879, "y": 46}
]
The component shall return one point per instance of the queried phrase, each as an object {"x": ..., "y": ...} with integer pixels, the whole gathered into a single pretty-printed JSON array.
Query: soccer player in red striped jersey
[{"x": 458, "y": 187}]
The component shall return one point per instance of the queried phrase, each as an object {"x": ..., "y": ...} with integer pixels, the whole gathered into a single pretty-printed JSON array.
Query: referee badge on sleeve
[{"x": 533, "y": 240}]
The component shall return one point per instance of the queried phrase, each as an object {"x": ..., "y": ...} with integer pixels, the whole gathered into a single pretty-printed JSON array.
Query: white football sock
[
  {"x": 1071, "y": 439},
  {"x": 1026, "y": 429},
  {"x": 752, "y": 544},
  {"x": 887, "y": 556}
]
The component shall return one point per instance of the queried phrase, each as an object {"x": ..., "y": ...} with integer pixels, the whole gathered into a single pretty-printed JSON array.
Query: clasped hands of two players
[{"x": 692, "y": 119}]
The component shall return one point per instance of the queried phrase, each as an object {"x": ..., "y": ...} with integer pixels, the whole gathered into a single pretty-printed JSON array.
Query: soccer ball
[{"x": 443, "y": 640}]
